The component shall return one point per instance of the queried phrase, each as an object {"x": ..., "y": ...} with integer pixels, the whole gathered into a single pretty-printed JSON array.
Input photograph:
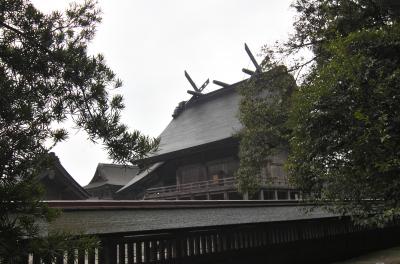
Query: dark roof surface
[
  {"x": 112, "y": 174},
  {"x": 143, "y": 174},
  {"x": 143, "y": 218},
  {"x": 210, "y": 118},
  {"x": 70, "y": 184}
]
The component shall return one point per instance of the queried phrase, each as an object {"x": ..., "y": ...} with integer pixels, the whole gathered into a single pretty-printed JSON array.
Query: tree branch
[{"x": 19, "y": 32}]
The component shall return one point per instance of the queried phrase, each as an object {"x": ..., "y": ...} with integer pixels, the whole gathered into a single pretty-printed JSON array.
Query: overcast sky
[{"x": 149, "y": 44}]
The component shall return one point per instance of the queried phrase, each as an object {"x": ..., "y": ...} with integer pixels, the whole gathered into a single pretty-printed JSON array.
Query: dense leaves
[
  {"x": 47, "y": 77},
  {"x": 264, "y": 110},
  {"x": 346, "y": 140},
  {"x": 343, "y": 122}
]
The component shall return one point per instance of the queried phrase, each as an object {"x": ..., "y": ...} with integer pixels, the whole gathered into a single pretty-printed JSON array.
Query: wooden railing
[
  {"x": 209, "y": 186},
  {"x": 300, "y": 241},
  {"x": 191, "y": 187}
]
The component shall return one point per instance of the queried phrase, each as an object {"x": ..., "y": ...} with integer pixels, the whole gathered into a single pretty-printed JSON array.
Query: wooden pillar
[
  {"x": 25, "y": 259},
  {"x": 36, "y": 259},
  {"x": 179, "y": 249},
  {"x": 81, "y": 256},
  {"x": 138, "y": 246},
  {"x": 91, "y": 256},
  {"x": 146, "y": 251},
  {"x": 161, "y": 248},
  {"x": 121, "y": 253},
  {"x": 108, "y": 252},
  {"x": 71, "y": 256}
]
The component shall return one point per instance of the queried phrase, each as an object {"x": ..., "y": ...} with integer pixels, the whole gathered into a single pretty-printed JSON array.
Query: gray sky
[{"x": 150, "y": 43}]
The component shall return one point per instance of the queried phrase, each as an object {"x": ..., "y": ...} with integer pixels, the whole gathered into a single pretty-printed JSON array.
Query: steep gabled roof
[
  {"x": 210, "y": 118},
  {"x": 112, "y": 174},
  {"x": 58, "y": 173}
]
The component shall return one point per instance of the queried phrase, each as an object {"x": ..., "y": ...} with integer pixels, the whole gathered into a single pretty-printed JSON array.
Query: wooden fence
[{"x": 301, "y": 241}]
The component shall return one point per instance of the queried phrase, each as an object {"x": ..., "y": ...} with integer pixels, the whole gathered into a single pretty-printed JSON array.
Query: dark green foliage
[
  {"x": 344, "y": 117},
  {"x": 346, "y": 141},
  {"x": 263, "y": 112},
  {"x": 46, "y": 77},
  {"x": 55, "y": 245}
]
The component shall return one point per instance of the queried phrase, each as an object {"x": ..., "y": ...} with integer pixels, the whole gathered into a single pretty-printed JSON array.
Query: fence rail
[{"x": 326, "y": 238}]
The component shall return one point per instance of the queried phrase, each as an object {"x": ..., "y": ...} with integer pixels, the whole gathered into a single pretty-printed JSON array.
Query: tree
[
  {"x": 46, "y": 77},
  {"x": 344, "y": 130},
  {"x": 263, "y": 112}
]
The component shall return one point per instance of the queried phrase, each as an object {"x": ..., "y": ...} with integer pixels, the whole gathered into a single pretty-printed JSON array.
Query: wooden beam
[
  {"x": 204, "y": 85},
  {"x": 221, "y": 83},
  {"x": 194, "y": 93},
  {"x": 247, "y": 71},
  {"x": 191, "y": 82},
  {"x": 252, "y": 58}
]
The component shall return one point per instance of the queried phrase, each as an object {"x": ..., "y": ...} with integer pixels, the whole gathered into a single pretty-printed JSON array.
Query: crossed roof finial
[{"x": 197, "y": 91}]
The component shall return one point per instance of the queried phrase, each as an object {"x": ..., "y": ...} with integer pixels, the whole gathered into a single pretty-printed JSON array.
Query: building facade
[{"x": 198, "y": 156}]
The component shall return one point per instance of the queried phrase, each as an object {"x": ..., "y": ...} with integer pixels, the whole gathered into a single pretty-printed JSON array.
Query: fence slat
[
  {"x": 130, "y": 253},
  {"x": 153, "y": 250},
  {"x": 138, "y": 252},
  {"x": 161, "y": 249},
  {"x": 71, "y": 257},
  {"x": 121, "y": 253},
  {"x": 91, "y": 256},
  {"x": 81, "y": 256},
  {"x": 36, "y": 259}
]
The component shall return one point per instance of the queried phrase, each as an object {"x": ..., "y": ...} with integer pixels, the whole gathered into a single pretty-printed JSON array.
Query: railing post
[
  {"x": 129, "y": 249},
  {"x": 71, "y": 256},
  {"x": 138, "y": 250},
  {"x": 36, "y": 259},
  {"x": 178, "y": 248},
  {"x": 108, "y": 252},
  {"x": 81, "y": 256},
  {"x": 91, "y": 256},
  {"x": 25, "y": 259},
  {"x": 121, "y": 253}
]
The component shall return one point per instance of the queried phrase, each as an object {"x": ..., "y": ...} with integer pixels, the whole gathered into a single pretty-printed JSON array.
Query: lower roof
[
  {"x": 142, "y": 175},
  {"x": 103, "y": 217},
  {"x": 112, "y": 174}
]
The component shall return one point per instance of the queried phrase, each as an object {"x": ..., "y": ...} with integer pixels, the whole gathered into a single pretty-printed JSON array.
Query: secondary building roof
[
  {"x": 112, "y": 174},
  {"x": 142, "y": 175},
  {"x": 59, "y": 184}
]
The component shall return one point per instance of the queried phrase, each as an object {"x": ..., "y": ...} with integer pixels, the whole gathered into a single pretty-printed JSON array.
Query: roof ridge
[
  {"x": 100, "y": 164},
  {"x": 194, "y": 100}
]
